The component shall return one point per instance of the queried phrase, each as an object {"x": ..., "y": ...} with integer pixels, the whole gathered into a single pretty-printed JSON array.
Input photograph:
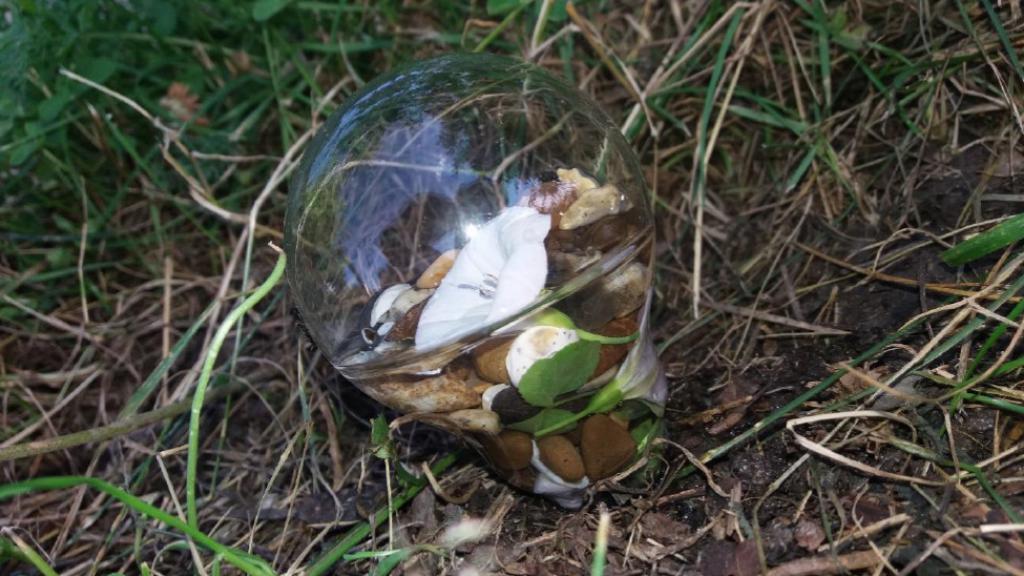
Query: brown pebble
[
  {"x": 476, "y": 420},
  {"x": 561, "y": 457},
  {"x": 432, "y": 276},
  {"x": 612, "y": 354},
  {"x": 593, "y": 205},
  {"x": 606, "y": 446},
  {"x": 553, "y": 197},
  {"x": 456, "y": 388},
  {"x": 614, "y": 296},
  {"x": 489, "y": 360},
  {"x": 509, "y": 451},
  {"x": 574, "y": 435},
  {"x": 524, "y": 478},
  {"x": 608, "y": 232},
  {"x": 511, "y": 406},
  {"x": 405, "y": 327}
]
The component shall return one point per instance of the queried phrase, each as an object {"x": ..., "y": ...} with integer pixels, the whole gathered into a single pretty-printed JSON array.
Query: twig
[
  {"x": 813, "y": 329},
  {"x": 822, "y": 565},
  {"x": 836, "y": 457},
  {"x": 939, "y": 288},
  {"x": 108, "y": 432}
]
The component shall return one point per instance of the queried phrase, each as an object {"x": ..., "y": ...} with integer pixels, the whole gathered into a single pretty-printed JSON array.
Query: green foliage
[
  {"x": 1000, "y": 236},
  {"x": 380, "y": 437},
  {"x": 248, "y": 563},
  {"x": 566, "y": 371},
  {"x": 555, "y": 419},
  {"x": 498, "y": 7},
  {"x": 264, "y": 9}
]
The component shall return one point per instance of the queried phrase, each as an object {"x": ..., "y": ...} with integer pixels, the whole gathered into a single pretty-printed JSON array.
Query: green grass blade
[
  {"x": 1002, "y": 235},
  {"x": 359, "y": 532},
  {"x": 151, "y": 382},
  {"x": 798, "y": 401},
  {"x": 204, "y": 381},
  {"x": 9, "y": 549},
  {"x": 709, "y": 104},
  {"x": 601, "y": 546},
  {"x": 1004, "y": 38},
  {"x": 245, "y": 562},
  {"x": 994, "y": 337}
]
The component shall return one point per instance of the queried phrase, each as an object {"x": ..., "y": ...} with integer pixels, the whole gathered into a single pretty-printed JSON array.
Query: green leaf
[
  {"x": 546, "y": 418},
  {"x": 263, "y": 10},
  {"x": 380, "y": 436},
  {"x": 566, "y": 371},
  {"x": 24, "y": 151},
  {"x": 497, "y": 7},
  {"x": 643, "y": 432},
  {"x": 391, "y": 561},
  {"x": 51, "y": 107},
  {"x": 1002, "y": 235},
  {"x": 552, "y": 317},
  {"x": 558, "y": 11},
  {"x": 96, "y": 69}
]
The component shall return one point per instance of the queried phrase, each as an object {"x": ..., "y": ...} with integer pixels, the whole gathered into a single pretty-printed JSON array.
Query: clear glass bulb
[{"x": 470, "y": 240}]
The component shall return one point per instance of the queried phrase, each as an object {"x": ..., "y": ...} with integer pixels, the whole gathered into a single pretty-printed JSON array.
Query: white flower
[{"x": 500, "y": 271}]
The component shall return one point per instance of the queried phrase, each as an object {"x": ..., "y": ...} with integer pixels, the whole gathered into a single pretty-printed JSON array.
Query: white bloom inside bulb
[{"x": 500, "y": 271}]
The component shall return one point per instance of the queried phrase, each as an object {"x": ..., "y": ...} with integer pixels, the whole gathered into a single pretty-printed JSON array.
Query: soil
[{"x": 680, "y": 525}]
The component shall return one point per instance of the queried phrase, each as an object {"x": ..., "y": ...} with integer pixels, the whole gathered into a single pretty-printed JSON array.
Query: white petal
[
  {"x": 520, "y": 281},
  {"x": 450, "y": 314},
  {"x": 526, "y": 266},
  {"x": 497, "y": 273}
]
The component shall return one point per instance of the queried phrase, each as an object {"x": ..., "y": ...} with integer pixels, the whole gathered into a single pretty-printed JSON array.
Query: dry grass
[{"x": 809, "y": 165}]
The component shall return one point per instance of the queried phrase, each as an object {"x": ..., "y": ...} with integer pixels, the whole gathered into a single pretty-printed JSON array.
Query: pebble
[
  {"x": 407, "y": 300},
  {"x": 608, "y": 232},
  {"x": 605, "y": 445},
  {"x": 576, "y": 178},
  {"x": 455, "y": 388},
  {"x": 629, "y": 289},
  {"x": 619, "y": 294},
  {"x": 536, "y": 343},
  {"x": 476, "y": 420},
  {"x": 564, "y": 266},
  {"x": 510, "y": 450},
  {"x": 593, "y": 205},
  {"x": 489, "y": 360},
  {"x": 552, "y": 197},
  {"x": 612, "y": 354},
  {"x": 432, "y": 276},
  {"x": 405, "y": 327},
  {"x": 383, "y": 302},
  {"x": 561, "y": 457},
  {"x": 510, "y": 406}
]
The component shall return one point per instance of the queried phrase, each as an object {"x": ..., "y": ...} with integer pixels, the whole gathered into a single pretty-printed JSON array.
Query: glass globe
[{"x": 470, "y": 243}]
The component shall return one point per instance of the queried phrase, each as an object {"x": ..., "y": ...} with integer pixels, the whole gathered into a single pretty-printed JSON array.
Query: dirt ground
[{"x": 809, "y": 430}]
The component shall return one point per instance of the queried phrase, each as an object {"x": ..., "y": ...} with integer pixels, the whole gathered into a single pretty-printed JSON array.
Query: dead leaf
[
  {"x": 808, "y": 535},
  {"x": 662, "y": 527},
  {"x": 182, "y": 104},
  {"x": 729, "y": 559},
  {"x": 732, "y": 418},
  {"x": 871, "y": 509}
]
